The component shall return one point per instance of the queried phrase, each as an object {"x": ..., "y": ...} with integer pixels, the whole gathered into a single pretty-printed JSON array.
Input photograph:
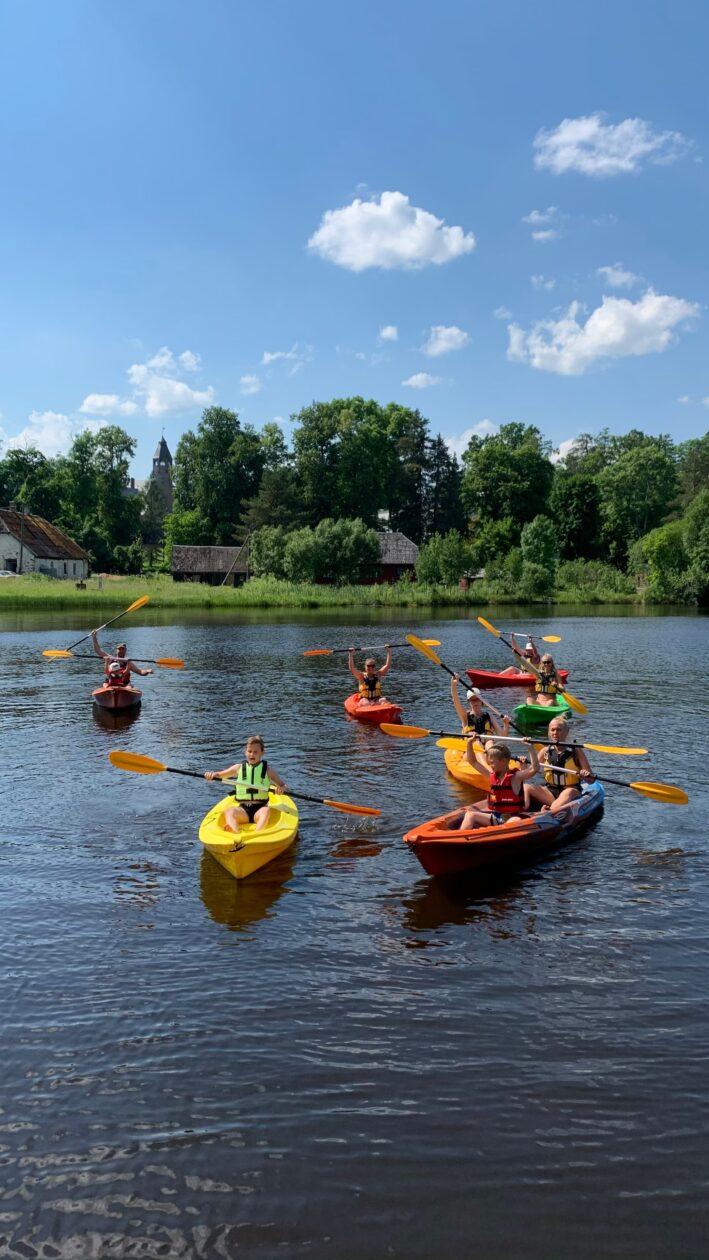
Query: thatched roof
[
  {"x": 45, "y": 541},
  {"x": 209, "y": 559},
  {"x": 395, "y": 548}
]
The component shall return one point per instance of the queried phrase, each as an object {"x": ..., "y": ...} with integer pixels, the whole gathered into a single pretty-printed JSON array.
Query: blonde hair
[
  {"x": 499, "y": 750},
  {"x": 256, "y": 739}
]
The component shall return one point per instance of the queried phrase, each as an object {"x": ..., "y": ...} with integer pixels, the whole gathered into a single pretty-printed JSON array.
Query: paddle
[
  {"x": 422, "y": 646},
  {"x": 457, "y": 741},
  {"x": 665, "y": 792},
  {"x": 577, "y": 705},
  {"x": 332, "y": 651},
  {"x": 137, "y": 603},
  {"x": 167, "y": 662},
  {"x": 545, "y": 638},
  {"x": 135, "y": 763}
]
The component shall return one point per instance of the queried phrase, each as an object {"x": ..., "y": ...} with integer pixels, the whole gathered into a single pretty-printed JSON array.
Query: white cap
[
  {"x": 472, "y": 694},
  {"x": 115, "y": 667},
  {"x": 529, "y": 646}
]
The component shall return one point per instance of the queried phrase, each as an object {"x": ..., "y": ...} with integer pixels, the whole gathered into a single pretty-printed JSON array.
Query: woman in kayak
[
  {"x": 251, "y": 790},
  {"x": 505, "y": 794},
  {"x": 116, "y": 666},
  {"x": 529, "y": 653},
  {"x": 369, "y": 682},
  {"x": 548, "y": 684},
  {"x": 476, "y": 719},
  {"x": 564, "y": 770}
]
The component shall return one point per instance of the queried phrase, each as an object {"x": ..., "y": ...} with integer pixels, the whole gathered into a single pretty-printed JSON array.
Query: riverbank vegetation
[{"x": 627, "y": 513}]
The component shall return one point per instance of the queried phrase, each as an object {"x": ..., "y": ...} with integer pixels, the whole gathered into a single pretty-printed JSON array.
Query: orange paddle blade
[
  {"x": 352, "y": 809},
  {"x": 135, "y": 763},
  {"x": 489, "y": 627},
  {"x": 170, "y": 662},
  {"x": 318, "y": 652}
]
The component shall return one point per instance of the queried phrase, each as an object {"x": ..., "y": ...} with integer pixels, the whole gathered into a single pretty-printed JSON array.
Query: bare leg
[
  {"x": 565, "y": 798},
  {"x": 234, "y": 817},
  {"x": 475, "y": 818},
  {"x": 263, "y": 817},
  {"x": 537, "y": 793}
]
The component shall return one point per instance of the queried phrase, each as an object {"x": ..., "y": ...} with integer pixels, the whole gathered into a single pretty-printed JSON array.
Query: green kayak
[{"x": 529, "y": 715}]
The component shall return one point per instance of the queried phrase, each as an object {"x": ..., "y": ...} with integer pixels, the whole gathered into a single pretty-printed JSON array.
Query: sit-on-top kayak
[
  {"x": 382, "y": 711},
  {"x": 488, "y": 679},
  {"x": 116, "y": 699},
  {"x": 442, "y": 851},
  {"x": 243, "y": 852},
  {"x": 458, "y": 765},
  {"x": 532, "y": 715}
]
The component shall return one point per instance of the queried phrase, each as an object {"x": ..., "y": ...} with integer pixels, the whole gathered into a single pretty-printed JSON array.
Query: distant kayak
[
  {"x": 116, "y": 699},
  {"x": 529, "y": 715},
  {"x": 375, "y": 714},
  {"x": 487, "y": 679},
  {"x": 445, "y": 852},
  {"x": 243, "y": 852}
]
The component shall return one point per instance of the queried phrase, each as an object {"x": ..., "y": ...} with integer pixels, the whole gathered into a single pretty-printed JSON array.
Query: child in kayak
[
  {"x": 369, "y": 682},
  {"x": 548, "y": 684},
  {"x": 529, "y": 653},
  {"x": 505, "y": 795},
  {"x": 476, "y": 719},
  {"x": 251, "y": 790},
  {"x": 116, "y": 666},
  {"x": 559, "y": 787}
]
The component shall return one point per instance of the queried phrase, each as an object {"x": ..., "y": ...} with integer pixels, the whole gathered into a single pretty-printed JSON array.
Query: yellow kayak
[
  {"x": 458, "y": 765},
  {"x": 244, "y": 852}
]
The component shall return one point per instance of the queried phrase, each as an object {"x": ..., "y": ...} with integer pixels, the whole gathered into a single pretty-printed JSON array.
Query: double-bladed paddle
[
  {"x": 381, "y": 648},
  {"x": 138, "y": 764},
  {"x": 577, "y": 705},
  {"x": 459, "y": 741},
  {"x": 166, "y": 662},
  {"x": 544, "y": 638},
  {"x": 667, "y": 793},
  {"x": 137, "y": 603}
]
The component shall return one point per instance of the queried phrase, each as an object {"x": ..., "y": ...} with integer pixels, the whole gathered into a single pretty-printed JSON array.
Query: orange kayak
[
  {"x": 116, "y": 699},
  {"x": 375, "y": 714}
]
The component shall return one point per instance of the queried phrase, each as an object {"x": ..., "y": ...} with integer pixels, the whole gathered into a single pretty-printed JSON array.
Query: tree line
[{"x": 632, "y": 505}]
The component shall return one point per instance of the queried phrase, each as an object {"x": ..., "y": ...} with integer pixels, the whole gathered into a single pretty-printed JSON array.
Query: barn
[{"x": 29, "y": 544}]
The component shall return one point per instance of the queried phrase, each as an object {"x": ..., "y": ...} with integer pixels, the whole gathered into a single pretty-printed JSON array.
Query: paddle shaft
[
  {"x": 84, "y": 637},
  {"x": 194, "y": 774},
  {"x": 140, "y": 660}
]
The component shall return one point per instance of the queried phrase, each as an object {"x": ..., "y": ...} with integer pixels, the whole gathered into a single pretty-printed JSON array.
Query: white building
[{"x": 29, "y": 544}]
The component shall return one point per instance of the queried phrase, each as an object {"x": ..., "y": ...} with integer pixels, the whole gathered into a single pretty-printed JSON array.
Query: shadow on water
[
  {"x": 240, "y": 904},
  {"x": 438, "y": 903},
  {"x": 109, "y": 721}
]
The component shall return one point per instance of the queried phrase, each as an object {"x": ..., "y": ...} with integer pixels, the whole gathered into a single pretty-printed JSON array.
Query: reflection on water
[
  {"x": 115, "y": 721},
  {"x": 239, "y": 904}
]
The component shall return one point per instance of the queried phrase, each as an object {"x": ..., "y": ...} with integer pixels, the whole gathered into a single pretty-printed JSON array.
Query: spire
[{"x": 162, "y": 454}]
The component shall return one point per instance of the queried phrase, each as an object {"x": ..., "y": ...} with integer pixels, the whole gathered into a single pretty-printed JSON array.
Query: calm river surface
[{"x": 338, "y": 1058}]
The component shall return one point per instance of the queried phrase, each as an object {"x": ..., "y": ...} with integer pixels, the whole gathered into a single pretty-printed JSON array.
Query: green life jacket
[{"x": 252, "y": 782}]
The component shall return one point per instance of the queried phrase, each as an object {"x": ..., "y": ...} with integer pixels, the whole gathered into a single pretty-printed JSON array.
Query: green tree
[
  {"x": 539, "y": 543},
  {"x": 268, "y": 547},
  {"x": 184, "y": 472},
  {"x": 575, "y": 509},
  {"x": 347, "y": 550},
  {"x": 635, "y": 492},
  {"x": 185, "y": 528},
  {"x": 444, "y": 558},
  {"x": 274, "y": 447},
  {"x": 302, "y": 557},
  {"x": 492, "y": 542},
  {"x": 27, "y": 477},
  {"x": 277, "y": 502},
  {"x": 443, "y": 509},
  {"x": 693, "y": 468},
  {"x": 507, "y": 474}
]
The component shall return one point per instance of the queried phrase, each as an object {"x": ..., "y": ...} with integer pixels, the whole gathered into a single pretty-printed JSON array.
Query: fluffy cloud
[
  {"x": 50, "y": 431},
  {"x": 594, "y": 147},
  {"x": 442, "y": 339},
  {"x": 457, "y": 445},
  {"x": 563, "y": 450},
  {"x": 616, "y": 276},
  {"x": 542, "y": 282},
  {"x": 388, "y": 233},
  {"x": 107, "y": 405},
  {"x": 502, "y": 312},
  {"x": 295, "y": 357},
  {"x": 250, "y": 384},
  {"x": 616, "y": 329},
  {"x": 545, "y": 235},
  {"x": 160, "y": 392},
  {"x": 684, "y": 398},
  {"x": 545, "y": 223},
  {"x": 389, "y": 332},
  {"x": 422, "y": 380}
]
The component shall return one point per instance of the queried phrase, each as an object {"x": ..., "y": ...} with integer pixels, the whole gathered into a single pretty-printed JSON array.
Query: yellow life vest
[
  {"x": 554, "y": 758},
  {"x": 547, "y": 685},
  {"x": 370, "y": 689}
]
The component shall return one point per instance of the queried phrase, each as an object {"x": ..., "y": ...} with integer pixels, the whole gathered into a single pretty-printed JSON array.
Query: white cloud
[
  {"x": 594, "y": 147},
  {"x": 389, "y": 332},
  {"x": 442, "y": 339},
  {"x": 616, "y": 329},
  {"x": 295, "y": 357},
  {"x": 542, "y": 218},
  {"x": 545, "y": 234},
  {"x": 250, "y": 384},
  {"x": 50, "y": 431},
  {"x": 160, "y": 393},
  {"x": 190, "y": 361},
  {"x": 542, "y": 282},
  {"x": 422, "y": 380},
  {"x": 563, "y": 450},
  {"x": 684, "y": 398},
  {"x": 616, "y": 276},
  {"x": 388, "y": 233},
  {"x": 107, "y": 405},
  {"x": 706, "y": 401},
  {"x": 502, "y": 312},
  {"x": 457, "y": 445}
]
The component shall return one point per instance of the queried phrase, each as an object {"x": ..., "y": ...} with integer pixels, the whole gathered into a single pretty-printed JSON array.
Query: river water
[{"x": 338, "y": 1057}]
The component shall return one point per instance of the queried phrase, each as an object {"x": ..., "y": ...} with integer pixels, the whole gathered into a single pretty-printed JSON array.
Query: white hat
[
  {"x": 529, "y": 646},
  {"x": 472, "y": 694},
  {"x": 115, "y": 667}
]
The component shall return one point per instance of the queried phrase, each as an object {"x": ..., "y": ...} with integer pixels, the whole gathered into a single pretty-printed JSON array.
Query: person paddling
[
  {"x": 559, "y": 788},
  {"x": 370, "y": 685},
  {"x": 476, "y": 719},
  {"x": 253, "y": 777},
  {"x": 116, "y": 665},
  {"x": 548, "y": 684},
  {"x": 530, "y": 652}
]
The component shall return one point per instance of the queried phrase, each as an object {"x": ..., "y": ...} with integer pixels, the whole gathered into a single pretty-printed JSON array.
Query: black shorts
[{"x": 250, "y": 808}]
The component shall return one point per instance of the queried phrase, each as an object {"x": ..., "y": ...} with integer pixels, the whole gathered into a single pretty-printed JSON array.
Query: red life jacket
[
  {"x": 116, "y": 679},
  {"x": 500, "y": 798}
]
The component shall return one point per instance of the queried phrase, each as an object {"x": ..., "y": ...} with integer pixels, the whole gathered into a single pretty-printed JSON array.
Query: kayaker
[
  {"x": 530, "y": 652},
  {"x": 505, "y": 795},
  {"x": 369, "y": 681},
  {"x": 548, "y": 684},
  {"x": 116, "y": 665},
  {"x": 254, "y": 778},
  {"x": 559, "y": 788},
  {"x": 476, "y": 719}
]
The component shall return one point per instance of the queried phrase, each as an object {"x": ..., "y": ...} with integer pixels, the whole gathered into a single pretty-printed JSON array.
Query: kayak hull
[
  {"x": 488, "y": 679},
  {"x": 374, "y": 714},
  {"x": 443, "y": 852},
  {"x": 532, "y": 716},
  {"x": 460, "y": 768},
  {"x": 243, "y": 852},
  {"x": 116, "y": 699}
]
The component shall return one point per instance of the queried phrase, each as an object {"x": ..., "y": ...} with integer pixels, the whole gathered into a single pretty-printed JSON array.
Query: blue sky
[{"x": 164, "y": 167}]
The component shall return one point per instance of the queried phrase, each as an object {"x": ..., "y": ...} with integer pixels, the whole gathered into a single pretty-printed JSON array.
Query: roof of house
[
  {"x": 162, "y": 452},
  {"x": 395, "y": 548},
  {"x": 44, "y": 540},
  {"x": 209, "y": 559}
]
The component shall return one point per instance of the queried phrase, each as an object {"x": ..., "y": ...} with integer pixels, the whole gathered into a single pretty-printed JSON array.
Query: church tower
[{"x": 162, "y": 472}]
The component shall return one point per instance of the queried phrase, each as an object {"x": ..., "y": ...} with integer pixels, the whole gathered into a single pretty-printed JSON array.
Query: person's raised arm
[
  {"x": 528, "y": 772},
  {"x": 457, "y": 701},
  {"x": 356, "y": 673},
  {"x": 387, "y": 664},
  {"x": 500, "y": 726},
  {"x": 473, "y": 758},
  {"x": 97, "y": 646}
]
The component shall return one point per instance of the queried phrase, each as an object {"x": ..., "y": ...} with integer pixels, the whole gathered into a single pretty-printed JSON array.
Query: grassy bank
[{"x": 116, "y": 593}]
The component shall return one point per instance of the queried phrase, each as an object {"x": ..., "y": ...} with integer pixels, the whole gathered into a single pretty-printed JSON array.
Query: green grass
[{"x": 46, "y": 593}]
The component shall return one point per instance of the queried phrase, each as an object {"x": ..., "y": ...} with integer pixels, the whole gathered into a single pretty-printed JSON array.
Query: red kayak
[
  {"x": 375, "y": 714},
  {"x": 116, "y": 699},
  {"x": 487, "y": 679},
  {"x": 442, "y": 851}
]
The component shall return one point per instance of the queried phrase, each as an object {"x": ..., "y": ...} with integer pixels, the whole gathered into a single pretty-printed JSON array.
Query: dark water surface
[{"x": 339, "y": 1058}]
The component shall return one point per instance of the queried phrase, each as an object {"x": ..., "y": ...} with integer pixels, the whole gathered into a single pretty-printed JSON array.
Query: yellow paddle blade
[
  {"x": 404, "y": 732},
  {"x": 138, "y": 603},
  {"x": 170, "y": 662},
  {"x": 135, "y": 763},
  {"x": 665, "y": 792},
  {"x": 57, "y": 654},
  {"x": 422, "y": 646},
  {"x": 352, "y": 809},
  {"x": 447, "y": 741},
  {"x": 487, "y": 626},
  {"x": 551, "y": 638},
  {"x": 577, "y": 705},
  {"x": 319, "y": 652},
  {"x": 616, "y": 750}
]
